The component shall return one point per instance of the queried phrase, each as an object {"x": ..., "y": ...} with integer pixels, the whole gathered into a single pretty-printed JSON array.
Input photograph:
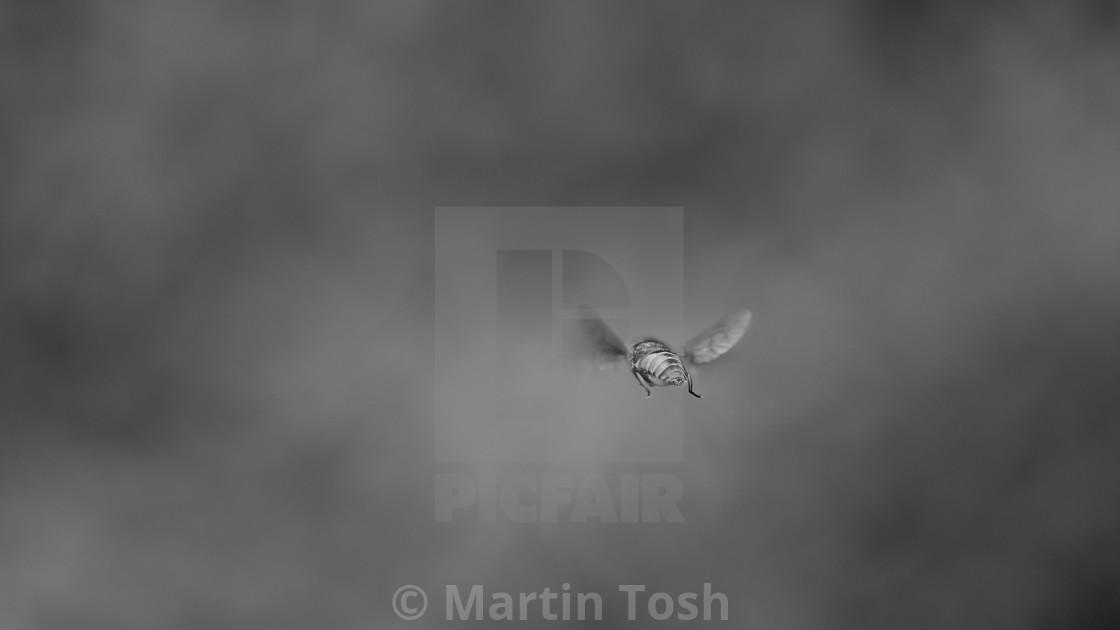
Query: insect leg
[
  {"x": 689, "y": 377},
  {"x": 640, "y": 382}
]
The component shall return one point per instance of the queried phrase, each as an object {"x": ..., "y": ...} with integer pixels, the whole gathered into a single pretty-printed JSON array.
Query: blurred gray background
[{"x": 216, "y": 301}]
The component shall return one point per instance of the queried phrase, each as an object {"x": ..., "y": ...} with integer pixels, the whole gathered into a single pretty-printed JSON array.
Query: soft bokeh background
[{"x": 216, "y": 301}]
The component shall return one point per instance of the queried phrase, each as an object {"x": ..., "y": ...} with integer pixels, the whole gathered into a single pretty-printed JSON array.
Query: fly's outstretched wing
[
  {"x": 718, "y": 339},
  {"x": 605, "y": 346}
]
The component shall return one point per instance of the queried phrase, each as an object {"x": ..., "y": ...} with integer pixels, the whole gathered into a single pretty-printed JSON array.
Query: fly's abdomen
[{"x": 665, "y": 368}]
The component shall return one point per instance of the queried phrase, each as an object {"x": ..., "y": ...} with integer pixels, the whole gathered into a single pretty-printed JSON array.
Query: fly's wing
[
  {"x": 718, "y": 339},
  {"x": 603, "y": 346}
]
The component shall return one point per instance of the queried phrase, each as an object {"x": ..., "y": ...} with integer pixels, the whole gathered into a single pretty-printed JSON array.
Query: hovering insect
[{"x": 654, "y": 363}]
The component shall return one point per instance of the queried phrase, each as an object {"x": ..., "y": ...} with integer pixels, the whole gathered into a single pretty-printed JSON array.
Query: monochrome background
[{"x": 216, "y": 299}]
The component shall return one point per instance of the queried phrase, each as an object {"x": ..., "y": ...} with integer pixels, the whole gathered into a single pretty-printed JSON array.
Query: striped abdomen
[{"x": 657, "y": 364}]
